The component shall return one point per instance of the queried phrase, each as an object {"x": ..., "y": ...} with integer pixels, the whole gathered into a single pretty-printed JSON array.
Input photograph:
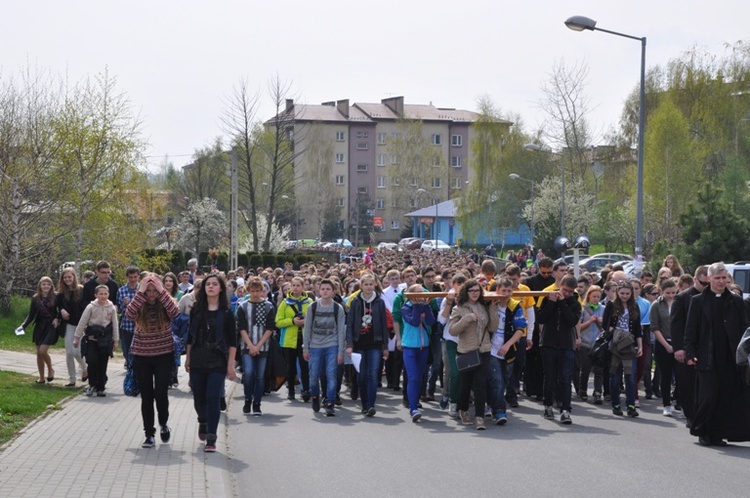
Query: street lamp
[
  {"x": 514, "y": 176},
  {"x": 532, "y": 147},
  {"x": 581, "y": 23}
]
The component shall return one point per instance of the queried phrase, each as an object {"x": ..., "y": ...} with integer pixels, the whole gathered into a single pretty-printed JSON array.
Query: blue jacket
[{"x": 417, "y": 329}]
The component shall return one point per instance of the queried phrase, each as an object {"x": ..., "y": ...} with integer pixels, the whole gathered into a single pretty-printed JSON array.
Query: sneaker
[
  {"x": 501, "y": 419},
  {"x": 149, "y": 442},
  {"x": 453, "y": 410},
  {"x": 165, "y": 433},
  {"x": 513, "y": 402},
  {"x": 371, "y": 411},
  {"x": 223, "y": 404},
  {"x": 616, "y": 410},
  {"x": 667, "y": 411},
  {"x": 256, "y": 411},
  {"x": 565, "y": 418},
  {"x": 549, "y": 414},
  {"x": 677, "y": 408},
  {"x": 465, "y": 418},
  {"x": 202, "y": 429},
  {"x": 637, "y": 403},
  {"x": 90, "y": 391},
  {"x": 101, "y": 393},
  {"x": 415, "y": 416},
  {"x": 584, "y": 397},
  {"x": 363, "y": 411},
  {"x": 338, "y": 401},
  {"x": 597, "y": 399},
  {"x": 479, "y": 424},
  {"x": 488, "y": 412},
  {"x": 316, "y": 404},
  {"x": 443, "y": 402},
  {"x": 247, "y": 407},
  {"x": 210, "y": 445},
  {"x": 330, "y": 410},
  {"x": 632, "y": 412},
  {"x": 305, "y": 396}
]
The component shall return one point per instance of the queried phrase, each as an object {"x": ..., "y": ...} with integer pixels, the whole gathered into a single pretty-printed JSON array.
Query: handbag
[
  {"x": 277, "y": 368},
  {"x": 130, "y": 383},
  {"x": 468, "y": 361},
  {"x": 599, "y": 350}
]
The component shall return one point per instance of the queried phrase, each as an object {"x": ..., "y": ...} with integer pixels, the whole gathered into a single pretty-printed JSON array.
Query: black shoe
[
  {"x": 597, "y": 398},
  {"x": 704, "y": 441},
  {"x": 316, "y": 404},
  {"x": 202, "y": 430},
  {"x": 616, "y": 410},
  {"x": 513, "y": 402},
  {"x": 371, "y": 411},
  {"x": 256, "y": 411},
  {"x": 549, "y": 414},
  {"x": 305, "y": 396},
  {"x": 247, "y": 407},
  {"x": 718, "y": 442},
  {"x": 632, "y": 412},
  {"x": 354, "y": 394},
  {"x": 290, "y": 396},
  {"x": 223, "y": 404},
  {"x": 149, "y": 442},
  {"x": 330, "y": 412},
  {"x": 363, "y": 411},
  {"x": 338, "y": 400},
  {"x": 165, "y": 433},
  {"x": 101, "y": 393}
]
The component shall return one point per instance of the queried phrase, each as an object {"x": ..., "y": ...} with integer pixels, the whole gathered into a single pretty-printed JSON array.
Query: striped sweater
[{"x": 154, "y": 341}]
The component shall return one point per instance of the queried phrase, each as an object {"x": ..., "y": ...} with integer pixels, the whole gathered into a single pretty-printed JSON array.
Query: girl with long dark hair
[
  {"x": 211, "y": 349},
  {"x": 69, "y": 305}
]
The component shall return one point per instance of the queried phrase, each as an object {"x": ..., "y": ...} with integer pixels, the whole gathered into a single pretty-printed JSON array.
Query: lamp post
[
  {"x": 535, "y": 148},
  {"x": 517, "y": 177},
  {"x": 581, "y": 23}
]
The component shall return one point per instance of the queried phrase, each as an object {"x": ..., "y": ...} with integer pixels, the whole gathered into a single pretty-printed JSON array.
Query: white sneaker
[
  {"x": 667, "y": 412},
  {"x": 453, "y": 410}
]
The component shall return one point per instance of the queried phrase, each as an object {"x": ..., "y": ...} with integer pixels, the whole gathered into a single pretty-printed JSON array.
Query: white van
[{"x": 740, "y": 272}]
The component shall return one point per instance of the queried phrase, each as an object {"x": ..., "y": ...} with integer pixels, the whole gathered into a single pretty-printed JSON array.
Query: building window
[
  {"x": 435, "y": 201},
  {"x": 413, "y": 203},
  {"x": 340, "y": 225},
  {"x": 361, "y": 145},
  {"x": 456, "y": 161},
  {"x": 361, "y": 167},
  {"x": 339, "y": 158},
  {"x": 436, "y": 161},
  {"x": 457, "y": 140},
  {"x": 362, "y": 190},
  {"x": 395, "y": 181},
  {"x": 436, "y": 182},
  {"x": 394, "y": 202},
  {"x": 339, "y": 179},
  {"x": 382, "y": 159},
  {"x": 395, "y": 225},
  {"x": 363, "y": 134},
  {"x": 340, "y": 137},
  {"x": 340, "y": 202},
  {"x": 380, "y": 204},
  {"x": 381, "y": 138},
  {"x": 381, "y": 182},
  {"x": 395, "y": 136},
  {"x": 413, "y": 182},
  {"x": 436, "y": 139},
  {"x": 394, "y": 159},
  {"x": 456, "y": 183}
]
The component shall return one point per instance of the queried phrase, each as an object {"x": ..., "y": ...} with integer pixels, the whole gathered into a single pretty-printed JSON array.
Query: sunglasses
[
  {"x": 704, "y": 283},
  {"x": 545, "y": 273}
]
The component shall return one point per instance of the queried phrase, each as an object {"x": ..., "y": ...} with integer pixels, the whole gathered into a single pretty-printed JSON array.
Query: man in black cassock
[{"x": 715, "y": 324}]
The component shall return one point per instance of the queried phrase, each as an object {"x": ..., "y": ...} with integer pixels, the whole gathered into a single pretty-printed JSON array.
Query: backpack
[{"x": 314, "y": 309}]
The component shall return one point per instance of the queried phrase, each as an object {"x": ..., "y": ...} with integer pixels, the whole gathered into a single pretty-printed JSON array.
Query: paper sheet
[{"x": 356, "y": 360}]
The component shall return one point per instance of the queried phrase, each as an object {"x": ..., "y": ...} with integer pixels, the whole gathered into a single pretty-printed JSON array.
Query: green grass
[
  {"x": 19, "y": 308},
  {"x": 21, "y": 401}
]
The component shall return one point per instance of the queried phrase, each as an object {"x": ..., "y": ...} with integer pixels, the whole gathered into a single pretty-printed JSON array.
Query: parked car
[
  {"x": 431, "y": 245},
  {"x": 388, "y": 245},
  {"x": 406, "y": 241},
  {"x": 596, "y": 262},
  {"x": 740, "y": 272},
  {"x": 415, "y": 244}
]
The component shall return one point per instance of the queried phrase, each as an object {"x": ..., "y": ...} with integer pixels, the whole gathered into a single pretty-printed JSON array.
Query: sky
[{"x": 179, "y": 61}]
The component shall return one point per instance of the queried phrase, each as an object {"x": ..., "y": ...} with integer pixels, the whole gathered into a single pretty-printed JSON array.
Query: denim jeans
[
  {"x": 436, "y": 369},
  {"x": 207, "y": 388},
  {"x": 415, "y": 362},
  {"x": 498, "y": 375},
  {"x": 369, "y": 374},
  {"x": 558, "y": 370},
  {"x": 254, "y": 376},
  {"x": 614, "y": 386},
  {"x": 324, "y": 358}
]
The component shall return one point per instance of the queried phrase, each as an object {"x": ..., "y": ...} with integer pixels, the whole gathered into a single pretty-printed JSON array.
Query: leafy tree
[
  {"x": 279, "y": 236},
  {"x": 206, "y": 176},
  {"x": 712, "y": 231},
  {"x": 203, "y": 225},
  {"x": 414, "y": 157}
]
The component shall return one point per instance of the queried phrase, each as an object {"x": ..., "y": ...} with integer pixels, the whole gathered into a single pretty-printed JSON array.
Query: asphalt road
[{"x": 291, "y": 451}]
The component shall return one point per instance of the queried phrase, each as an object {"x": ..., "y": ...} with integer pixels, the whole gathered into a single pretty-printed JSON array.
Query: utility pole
[{"x": 233, "y": 225}]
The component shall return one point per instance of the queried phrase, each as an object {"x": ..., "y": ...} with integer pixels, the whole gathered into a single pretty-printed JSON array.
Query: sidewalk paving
[{"x": 92, "y": 446}]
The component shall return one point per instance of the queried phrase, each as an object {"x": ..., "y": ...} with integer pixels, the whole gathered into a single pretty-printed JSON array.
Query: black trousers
[
  {"x": 97, "y": 360},
  {"x": 154, "y": 375}
]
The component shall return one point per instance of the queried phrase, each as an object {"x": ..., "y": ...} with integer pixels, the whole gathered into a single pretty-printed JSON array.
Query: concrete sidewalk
[{"x": 92, "y": 446}]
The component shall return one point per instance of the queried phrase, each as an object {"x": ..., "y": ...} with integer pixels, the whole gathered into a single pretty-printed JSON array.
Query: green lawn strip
[
  {"x": 21, "y": 401},
  {"x": 9, "y": 321}
]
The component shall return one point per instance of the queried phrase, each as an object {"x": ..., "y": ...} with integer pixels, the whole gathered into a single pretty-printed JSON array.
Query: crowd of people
[{"x": 478, "y": 341}]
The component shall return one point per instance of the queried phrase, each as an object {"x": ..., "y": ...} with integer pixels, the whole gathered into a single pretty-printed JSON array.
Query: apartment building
[{"x": 374, "y": 162}]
